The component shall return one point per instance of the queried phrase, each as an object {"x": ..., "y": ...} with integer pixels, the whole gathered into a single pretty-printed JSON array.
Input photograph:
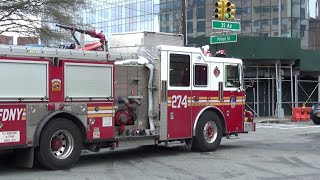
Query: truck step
[{"x": 174, "y": 144}]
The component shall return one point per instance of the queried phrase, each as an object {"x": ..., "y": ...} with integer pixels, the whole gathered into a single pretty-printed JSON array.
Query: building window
[
  {"x": 302, "y": 29},
  {"x": 256, "y": 23},
  {"x": 190, "y": 14},
  {"x": 201, "y": 26},
  {"x": 302, "y": 13},
  {"x": 275, "y": 21},
  {"x": 201, "y": 3},
  {"x": 256, "y": 9},
  {"x": 190, "y": 27},
  {"x": 265, "y": 9},
  {"x": 201, "y": 13},
  {"x": 179, "y": 70},
  {"x": 163, "y": 7},
  {"x": 246, "y": 10},
  {"x": 275, "y": 8},
  {"x": 170, "y": 6},
  {"x": 177, "y": 5},
  {"x": 265, "y": 22}
]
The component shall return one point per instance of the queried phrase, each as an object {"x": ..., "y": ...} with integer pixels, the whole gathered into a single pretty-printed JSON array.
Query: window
[
  {"x": 177, "y": 5},
  {"x": 257, "y": 9},
  {"x": 302, "y": 29},
  {"x": 275, "y": 8},
  {"x": 201, "y": 26},
  {"x": 256, "y": 23},
  {"x": 190, "y": 27},
  {"x": 201, "y": 3},
  {"x": 179, "y": 70},
  {"x": 201, "y": 13},
  {"x": 275, "y": 21},
  {"x": 265, "y": 9},
  {"x": 200, "y": 75},
  {"x": 190, "y": 14},
  {"x": 265, "y": 22},
  {"x": 170, "y": 6},
  {"x": 302, "y": 13},
  {"x": 232, "y": 76}
]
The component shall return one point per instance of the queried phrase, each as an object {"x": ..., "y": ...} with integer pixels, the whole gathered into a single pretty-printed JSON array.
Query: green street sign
[
  {"x": 223, "y": 39},
  {"x": 232, "y": 26}
]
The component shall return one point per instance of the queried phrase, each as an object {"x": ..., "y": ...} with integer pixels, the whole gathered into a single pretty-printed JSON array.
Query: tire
[
  {"x": 60, "y": 145},
  {"x": 208, "y": 132},
  {"x": 316, "y": 120}
]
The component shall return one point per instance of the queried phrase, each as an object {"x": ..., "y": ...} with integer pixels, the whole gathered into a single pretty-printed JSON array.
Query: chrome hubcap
[
  {"x": 62, "y": 144},
  {"x": 210, "y": 131}
]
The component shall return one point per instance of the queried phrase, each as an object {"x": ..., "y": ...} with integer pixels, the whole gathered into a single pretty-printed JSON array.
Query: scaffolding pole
[
  {"x": 318, "y": 88},
  {"x": 291, "y": 79},
  {"x": 269, "y": 97},
  {"x": 272, "y": 104},
  {"x": 258, "y": 102},
  {"x": 296, "y": 99},
  {"x": 279, "y": 110}
]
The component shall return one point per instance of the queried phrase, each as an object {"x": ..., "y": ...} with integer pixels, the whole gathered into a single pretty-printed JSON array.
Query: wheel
[
  {"x": 316, "y": 120},
  {"x": 208, "y": 132},
  {"x": 60, "y": 144}
]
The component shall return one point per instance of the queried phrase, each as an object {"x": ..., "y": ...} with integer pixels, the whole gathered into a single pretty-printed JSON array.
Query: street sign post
[
  {"x": 225, "y": 25},
  {"x": 223, "y": 39}
]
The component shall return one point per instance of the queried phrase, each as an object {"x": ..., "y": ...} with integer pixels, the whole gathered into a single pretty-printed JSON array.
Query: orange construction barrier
[{"x": 301, "y": 114}]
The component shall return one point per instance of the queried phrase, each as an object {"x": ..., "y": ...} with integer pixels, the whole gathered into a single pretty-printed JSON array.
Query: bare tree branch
[{"x": 37, "y": 17}]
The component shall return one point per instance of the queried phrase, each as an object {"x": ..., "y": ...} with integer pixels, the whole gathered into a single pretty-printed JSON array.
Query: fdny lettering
[{"x": 11, "y": 114}]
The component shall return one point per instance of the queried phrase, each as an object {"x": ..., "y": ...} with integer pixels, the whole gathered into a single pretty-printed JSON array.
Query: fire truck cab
[{"x": 54, "y": 103}]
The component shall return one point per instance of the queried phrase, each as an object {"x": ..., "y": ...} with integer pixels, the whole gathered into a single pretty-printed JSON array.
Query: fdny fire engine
[{"x": 54, "y": 103}]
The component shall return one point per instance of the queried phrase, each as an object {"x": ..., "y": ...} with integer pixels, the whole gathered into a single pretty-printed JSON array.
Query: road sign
[
  {"x": 232, "y": 26},
  {"x": 223, "y": 39}
]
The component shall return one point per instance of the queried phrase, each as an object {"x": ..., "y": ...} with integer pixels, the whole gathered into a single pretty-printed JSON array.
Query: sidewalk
[{"x": 272, "y": 119}]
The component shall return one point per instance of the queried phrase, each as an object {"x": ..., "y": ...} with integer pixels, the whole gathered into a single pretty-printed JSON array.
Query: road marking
[{"x": 284, "y": 126}]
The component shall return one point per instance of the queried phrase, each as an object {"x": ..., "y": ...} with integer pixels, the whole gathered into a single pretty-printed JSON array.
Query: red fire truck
[{"x": 54, "y": 103}]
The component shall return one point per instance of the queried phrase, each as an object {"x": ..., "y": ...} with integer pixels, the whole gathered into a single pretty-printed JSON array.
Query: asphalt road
[{"x": 275, "y": 151}]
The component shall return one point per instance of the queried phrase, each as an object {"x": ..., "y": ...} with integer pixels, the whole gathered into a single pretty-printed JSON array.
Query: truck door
[
  {"x": 179, "y": 94},
  {"x": 233, "y": 97}
]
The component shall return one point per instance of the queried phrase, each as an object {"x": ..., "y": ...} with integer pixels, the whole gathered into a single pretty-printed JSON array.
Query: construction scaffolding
[{"x": 274, "y": 87}]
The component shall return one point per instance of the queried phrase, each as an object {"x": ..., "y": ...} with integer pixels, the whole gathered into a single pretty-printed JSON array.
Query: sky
[{"x": 312, "y": 8}]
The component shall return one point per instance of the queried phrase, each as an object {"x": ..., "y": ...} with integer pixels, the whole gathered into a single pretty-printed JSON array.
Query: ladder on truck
[{"x": 78, "y": 54}]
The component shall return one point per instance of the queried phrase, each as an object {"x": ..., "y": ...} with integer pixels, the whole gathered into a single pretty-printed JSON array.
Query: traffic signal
[
  {"x": 219, "y": 10},
  {"x": 229, "y": 10}
]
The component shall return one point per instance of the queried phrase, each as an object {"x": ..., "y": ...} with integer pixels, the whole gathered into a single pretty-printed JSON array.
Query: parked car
[{"x": 315, "y": 113}]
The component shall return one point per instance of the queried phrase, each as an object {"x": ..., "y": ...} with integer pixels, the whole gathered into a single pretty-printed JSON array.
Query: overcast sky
[{"x": 312, "y": 8}]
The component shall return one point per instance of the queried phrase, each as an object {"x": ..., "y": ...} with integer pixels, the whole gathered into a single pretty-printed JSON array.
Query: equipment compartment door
[
  {"x": 12, "y": 125},
  {"x": 179, "y": 96},
  {"x": 233, "y": 97}
]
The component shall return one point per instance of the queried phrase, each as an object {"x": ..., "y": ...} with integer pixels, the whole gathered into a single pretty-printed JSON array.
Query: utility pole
[
  {"x": 279, "y": 18},
  {"x": 184, "y": 20}
]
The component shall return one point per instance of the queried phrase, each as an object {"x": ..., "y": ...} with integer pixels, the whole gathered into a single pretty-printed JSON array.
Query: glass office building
[
  {"x": 112, "y": 16},
  {"x": 257, "y": 17}
]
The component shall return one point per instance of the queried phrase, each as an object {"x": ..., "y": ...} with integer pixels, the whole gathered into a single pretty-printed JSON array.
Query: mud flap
[{"x": 24, "y": 157}]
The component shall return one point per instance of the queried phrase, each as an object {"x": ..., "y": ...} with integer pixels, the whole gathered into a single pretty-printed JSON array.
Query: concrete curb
[{"x": 278, "y": 121}]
